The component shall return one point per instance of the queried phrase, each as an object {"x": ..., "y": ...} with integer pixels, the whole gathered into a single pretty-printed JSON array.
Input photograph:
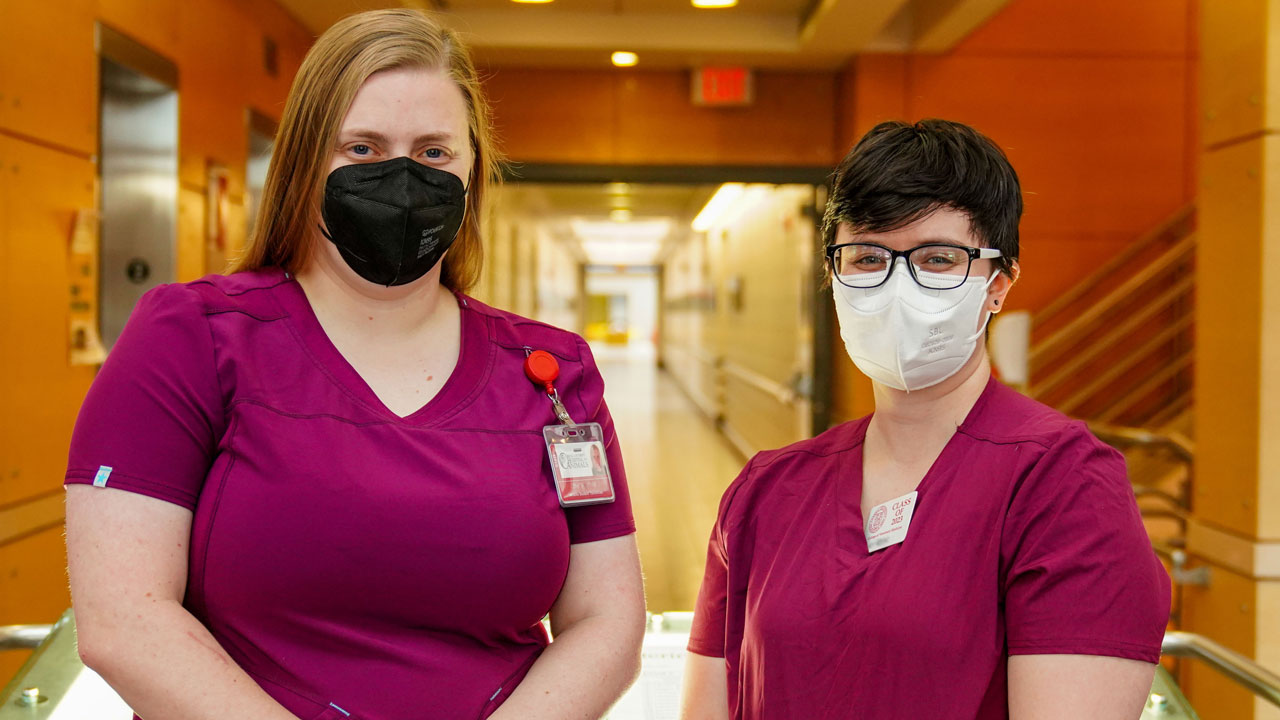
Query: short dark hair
[{"x": 899, "y": 173}]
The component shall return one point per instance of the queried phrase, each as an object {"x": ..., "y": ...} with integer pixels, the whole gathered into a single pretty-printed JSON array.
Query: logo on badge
[{"x": 877, "y": 519}]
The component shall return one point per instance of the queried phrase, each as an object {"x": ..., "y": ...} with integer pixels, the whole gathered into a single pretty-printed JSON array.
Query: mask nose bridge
[{"x": 898, "y": 273}]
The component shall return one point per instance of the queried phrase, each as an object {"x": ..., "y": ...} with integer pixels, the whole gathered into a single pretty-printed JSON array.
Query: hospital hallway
[
  {"x": 677, "y": 467},
  {"x": 669, "y": 181}
]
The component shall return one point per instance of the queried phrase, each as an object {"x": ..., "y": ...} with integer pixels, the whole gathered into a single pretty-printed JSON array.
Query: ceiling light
[
  {"x": 713, "y": 4},
  {"x": 634, "y": 231},
  {"x": 726, "y": 196},
  {"x": 532, "y": 2},
  {"x": 610, "y": 253},
  {"x": 623, "y": 58},
  {"x": 620, "y": 215}
]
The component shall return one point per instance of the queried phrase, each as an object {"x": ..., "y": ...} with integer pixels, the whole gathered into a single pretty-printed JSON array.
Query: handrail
[
  {"x": 1176, "y": 405},
  {"x": 1183, "y": 446},
  {"x": 23, "y": 637},
  {"x": 1119, "y": 405},
  {"x": 767, "y": 385},
  {"x": 1240, "y": 669},
  {"x": 1178, "y": 509},
  {"x": 702, "y": 357},
  {"x": 1085, "y": 320},
  {"x": 1094, "y": 280},
  {"x": 1126, "y": 364},
  {"x": 1104, "y": 344}
]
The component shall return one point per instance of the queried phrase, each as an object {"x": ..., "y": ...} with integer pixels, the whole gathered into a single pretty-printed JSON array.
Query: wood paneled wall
[
  {"x": 48, "y": 171},
  {"x": 1095, "y": 103},
  {"x": 645, "y": 117}
]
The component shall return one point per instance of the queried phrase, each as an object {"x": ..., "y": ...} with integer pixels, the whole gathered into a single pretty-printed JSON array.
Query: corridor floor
[{"x": 678, "y": 465}]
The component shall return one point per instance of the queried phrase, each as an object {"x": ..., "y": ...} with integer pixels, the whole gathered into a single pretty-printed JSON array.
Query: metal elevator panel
[
  {"x": 139, "y": 171},
  {"x": 262, "y": 133}
]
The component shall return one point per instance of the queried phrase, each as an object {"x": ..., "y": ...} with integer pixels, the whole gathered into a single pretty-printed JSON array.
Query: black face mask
[{"x": 393, "y": 220}]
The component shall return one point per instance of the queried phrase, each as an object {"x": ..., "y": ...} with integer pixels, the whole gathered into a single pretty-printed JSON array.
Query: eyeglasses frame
[{"x": 973, "y": 253}]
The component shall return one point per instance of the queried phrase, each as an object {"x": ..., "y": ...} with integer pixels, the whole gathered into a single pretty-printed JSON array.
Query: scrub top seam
[
  {"x": 237, "y": 293},
  {"x": 164, "y": 490},
  {"x": 606, "y": 533},
  {"x": 1050, "y": 643},
  {"x": 198, "y": 592},
  {"x": 788, "y": 453},
  {"x": 260, "y": 318},
  {"x": 297, "y": 337},
  {"x": 1014, "y": 440},
  {"x": 358, "y": 423},
  {"x": 477, "y": 387},
  {"x": 383, "y": 411},
  {"x": 217, "y": 376}
]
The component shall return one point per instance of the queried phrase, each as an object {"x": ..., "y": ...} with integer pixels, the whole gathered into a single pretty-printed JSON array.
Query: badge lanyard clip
[
  {"x": 542, "y": 370},
  {"x": 577, "y": 453}
]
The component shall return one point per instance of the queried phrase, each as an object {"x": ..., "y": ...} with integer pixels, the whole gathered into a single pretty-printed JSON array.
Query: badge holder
[{"x": 579, "y": 464}]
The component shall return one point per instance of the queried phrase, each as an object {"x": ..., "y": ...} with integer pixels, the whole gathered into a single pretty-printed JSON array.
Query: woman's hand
[
  {"x": 127, "y": 554},
  {"x": 598, "y": 623},
  {"x": 1043, "y": 687}
]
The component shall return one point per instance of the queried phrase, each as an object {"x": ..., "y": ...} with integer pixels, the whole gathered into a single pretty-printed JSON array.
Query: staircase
[{"x": 1118, "y": 348}]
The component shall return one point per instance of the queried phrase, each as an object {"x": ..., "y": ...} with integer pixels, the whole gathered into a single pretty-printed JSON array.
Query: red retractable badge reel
[{"x": 542, "y": 369}]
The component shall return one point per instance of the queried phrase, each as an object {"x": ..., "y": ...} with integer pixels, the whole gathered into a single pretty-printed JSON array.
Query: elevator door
[{"x": 139, "y": 166}]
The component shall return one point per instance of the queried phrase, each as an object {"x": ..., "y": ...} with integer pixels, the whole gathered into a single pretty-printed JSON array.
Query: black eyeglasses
[{"x": 936, "y": 266}]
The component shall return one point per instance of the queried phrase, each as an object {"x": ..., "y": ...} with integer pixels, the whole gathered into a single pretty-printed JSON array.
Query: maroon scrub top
[
  {"x": 1025, "y": 539},
  {"x": 353, "y": 562}
]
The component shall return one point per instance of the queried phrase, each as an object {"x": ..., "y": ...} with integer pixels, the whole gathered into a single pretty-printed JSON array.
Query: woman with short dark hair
[{"x": 964, "y": 551}]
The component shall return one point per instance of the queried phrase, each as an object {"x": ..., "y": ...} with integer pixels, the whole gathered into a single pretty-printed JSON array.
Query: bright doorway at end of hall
[{"x": 622, "y": 307}]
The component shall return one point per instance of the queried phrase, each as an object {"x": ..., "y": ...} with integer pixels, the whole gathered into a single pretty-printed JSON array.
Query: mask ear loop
[{"x": 987, "y": 320}]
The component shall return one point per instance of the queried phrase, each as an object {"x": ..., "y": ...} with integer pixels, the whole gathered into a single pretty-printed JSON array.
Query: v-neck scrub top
[
  {"x": 355, "y": 563},
  {"x": 1025, "y": 539}
]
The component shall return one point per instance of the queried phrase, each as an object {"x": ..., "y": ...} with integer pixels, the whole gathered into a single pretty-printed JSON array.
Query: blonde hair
[{"x": 332, "y": 72}]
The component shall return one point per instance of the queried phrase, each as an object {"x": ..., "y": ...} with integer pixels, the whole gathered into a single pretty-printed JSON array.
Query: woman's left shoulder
[
  {"x": 1007, "y": 417},
  {"x": 516, "y": 332}
]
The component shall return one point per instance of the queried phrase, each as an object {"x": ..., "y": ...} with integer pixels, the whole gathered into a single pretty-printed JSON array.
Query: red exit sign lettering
[{"x": 722, "y": 86}]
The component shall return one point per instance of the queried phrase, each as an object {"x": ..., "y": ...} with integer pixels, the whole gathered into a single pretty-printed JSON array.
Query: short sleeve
[
  {"x": 710, "y": 632},
  {"x": 707, "y": 636},
  {"x": 152, "y": 418},
  {"x": 607, "y": 520},
  {"x": 1079, "y": 573}
]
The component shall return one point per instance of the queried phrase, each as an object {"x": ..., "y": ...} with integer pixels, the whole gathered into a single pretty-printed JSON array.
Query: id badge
[
  {"x": 889, "y": 522},
  {"x": 579, "y": 464}
]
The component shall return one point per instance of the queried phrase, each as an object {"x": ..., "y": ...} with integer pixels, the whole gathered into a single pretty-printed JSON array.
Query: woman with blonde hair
[{"x": 319, "y": 487}]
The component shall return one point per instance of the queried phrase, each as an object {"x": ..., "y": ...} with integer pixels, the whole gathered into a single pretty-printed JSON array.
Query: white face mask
[{"x": 909, "y": 337}]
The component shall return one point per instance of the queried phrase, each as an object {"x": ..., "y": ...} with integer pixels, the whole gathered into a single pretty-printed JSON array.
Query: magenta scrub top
[
  {"x": 1025, "y": 539},
  {"x": 354, "y": 563}
]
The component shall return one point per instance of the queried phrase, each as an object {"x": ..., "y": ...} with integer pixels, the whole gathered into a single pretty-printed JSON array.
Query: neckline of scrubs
[
  {"x": 921, "y": 512},
  {"x": 467, "y": 374}
]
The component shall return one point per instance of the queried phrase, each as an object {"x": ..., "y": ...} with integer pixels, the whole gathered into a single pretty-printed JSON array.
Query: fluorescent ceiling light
[
  {"x": 604, "y": 252},
  {"x": 725, "y": 197},
  {"x": 620, "y": 232},
  {"x": 714, "y": 4},
  {"x": 623, "y": 58}
]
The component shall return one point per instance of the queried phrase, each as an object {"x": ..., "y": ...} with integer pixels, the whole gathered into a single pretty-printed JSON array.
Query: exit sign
[{"x": 722, "y": 86}]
